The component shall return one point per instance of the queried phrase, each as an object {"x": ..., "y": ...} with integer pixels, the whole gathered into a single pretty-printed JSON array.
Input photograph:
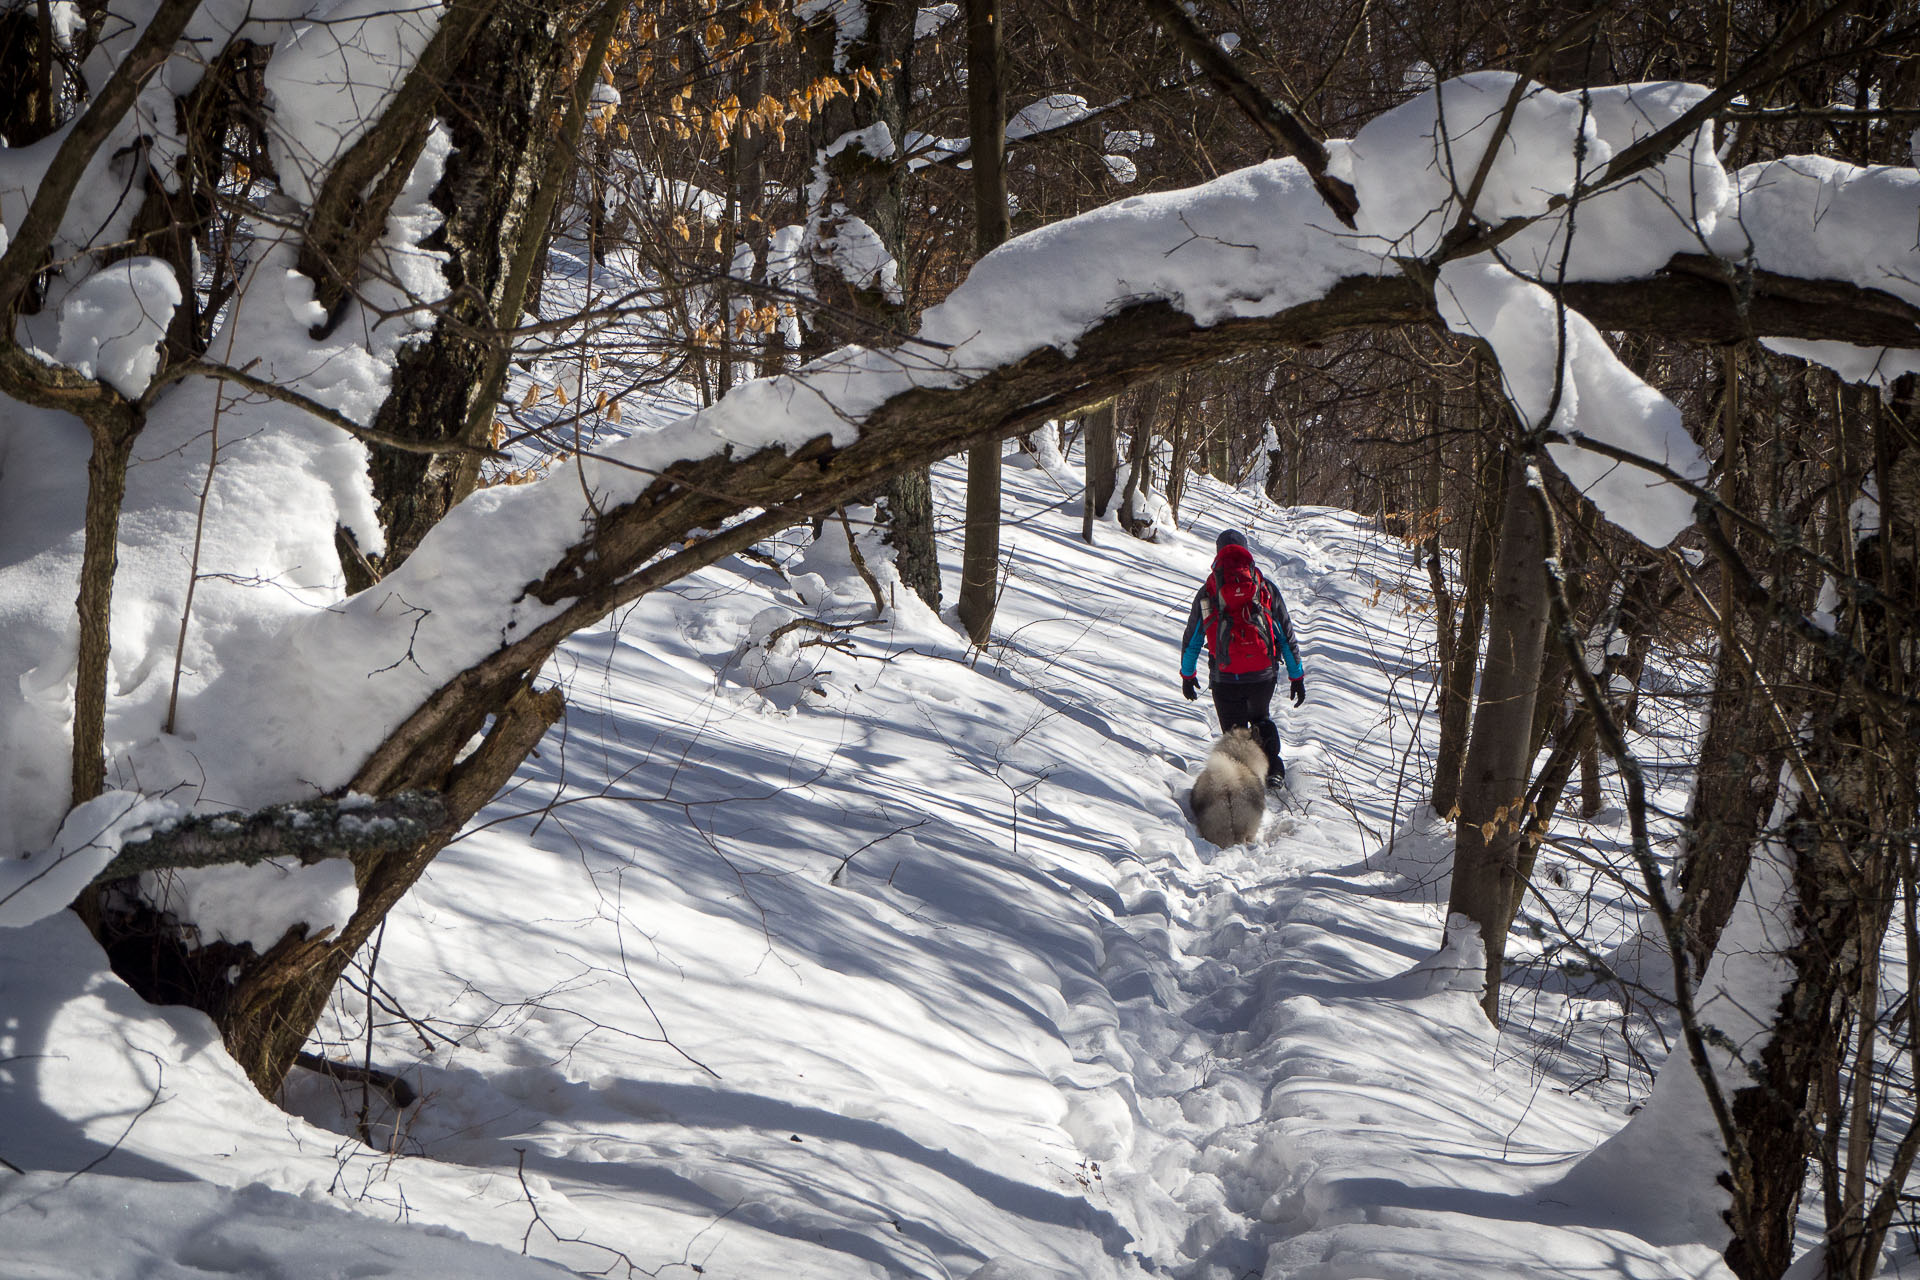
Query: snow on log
[
  {"x": 306, "y": 832},
  {"x": 123, "y": 833},
  {"x": 1559, "y": 373}
]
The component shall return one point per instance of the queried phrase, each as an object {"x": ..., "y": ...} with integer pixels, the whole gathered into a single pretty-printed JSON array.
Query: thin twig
[
  {"x": 880, "y": 839},
  {"x": 286, "y": 395},
  {"x": 1280, "y": 122},
  {"x": 860, "y": 564},
  {"x": 398, "y": 1091}
]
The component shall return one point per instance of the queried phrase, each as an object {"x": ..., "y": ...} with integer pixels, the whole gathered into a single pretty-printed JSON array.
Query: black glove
[
  {"x": 1299, "y": 689},
  {"x": 1190, "y": 686}
]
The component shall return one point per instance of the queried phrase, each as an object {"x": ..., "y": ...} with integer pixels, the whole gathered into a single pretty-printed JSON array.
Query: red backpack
[{"x": 1240, "y": 631}]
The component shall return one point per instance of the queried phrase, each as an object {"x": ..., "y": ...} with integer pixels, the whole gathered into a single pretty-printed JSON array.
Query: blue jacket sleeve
[
  {"x": 1192, "y": 638},
  {"x": 1289, "y": 647}
]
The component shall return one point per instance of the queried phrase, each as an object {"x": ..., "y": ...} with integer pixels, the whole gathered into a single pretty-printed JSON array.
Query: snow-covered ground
[{"x": 858, "y": 955}]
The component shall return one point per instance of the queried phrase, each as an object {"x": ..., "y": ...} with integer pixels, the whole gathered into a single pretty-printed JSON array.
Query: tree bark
[
  {"x": 1494, "y": 782},
  {"x": 1445, "y": 623},
  {"x": 908, "y": 514},
  {"x": 987, "y": 121},
  {"x": 980, "y": 556},
  {"x": 1284, "y": 466},
  {"x": 349, "y": 210},
  {"x": 266, "y": 1015},
  {"x": 307, "y": 831},
  {"x": 498, "y": 108},
  {"x": 443, "y": 388},
  {"x": 1139, "y": 454},
  {"x": 24, "y": 255},
  {"x": 1180, "y": 447},
  {"x": 113, "y": 437},
  {"x": 1097, "y": 444},
  {"x": 1592, "y": 798},
  {"x": 111, "y": 421},
  {"x": 27, "y": 90},
  {"x": 1575, "y": 740},
  {"x": 1220, "y": 454},
  {"x": 1457, "y": 680}
]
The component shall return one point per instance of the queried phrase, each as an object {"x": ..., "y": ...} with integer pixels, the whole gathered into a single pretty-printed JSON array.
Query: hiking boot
[{"x": 1276, "y": 776}]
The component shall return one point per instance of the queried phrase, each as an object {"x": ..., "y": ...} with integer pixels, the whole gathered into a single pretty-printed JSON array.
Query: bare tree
[{"x": 986, "y": 116}]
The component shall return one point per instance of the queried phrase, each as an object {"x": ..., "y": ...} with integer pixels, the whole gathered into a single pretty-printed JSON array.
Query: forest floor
[{"x": 837, "y": 950}]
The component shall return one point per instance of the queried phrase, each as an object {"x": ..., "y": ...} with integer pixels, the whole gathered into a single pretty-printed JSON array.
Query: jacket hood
[{"x": 1233, "y": 555}]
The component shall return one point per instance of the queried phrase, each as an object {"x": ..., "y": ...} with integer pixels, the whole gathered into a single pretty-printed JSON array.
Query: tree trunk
[
  {"x": 1097, "y": 444},
  {"x": 268, "y": 1012},
  {"x": 498, "y": 107},
  {"x": 1139, "y": 449},
  {"x": 1296, "y": 463},
  {"x": 1494, "y": 781},
  {"x": 1457, "y": 679},
  {"x": 980, "y": 559},
  {"x": 113, "y": 440},
  {"x": 1592, "y": 799},
  {"x": 1842, "y": 895},
  {"x": 1551, "y": 709},
  {"x": 1575, "y": 740},
  {"x": 907, "y": 511},
  {"x": 987, "y": 117},
  {"x": 1574, "y": 744},
  {"x": 1180, "y": 449},
  {"x": 1739, "y": 773},
  {"x": 1847, "y": 833},
  {"x": 1445, "y": 623},
  {"x": 1285, "y": 456},
  {"x": 28, "y": 66},
  {"x": 265, "y": 1005},
  {"x": 872, "y": 188}
]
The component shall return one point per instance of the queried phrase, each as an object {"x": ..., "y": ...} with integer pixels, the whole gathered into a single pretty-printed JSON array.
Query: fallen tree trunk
[
  {"x": 696, "y": 512},
  {"x": 307, "y": 831}
]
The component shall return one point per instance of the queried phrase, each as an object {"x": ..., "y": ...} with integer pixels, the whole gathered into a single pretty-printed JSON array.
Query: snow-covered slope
[{"x": 831, "y": 950}]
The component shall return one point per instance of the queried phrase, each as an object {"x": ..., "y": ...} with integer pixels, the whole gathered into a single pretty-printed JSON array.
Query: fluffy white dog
[{"x": 1230, "y": 796}]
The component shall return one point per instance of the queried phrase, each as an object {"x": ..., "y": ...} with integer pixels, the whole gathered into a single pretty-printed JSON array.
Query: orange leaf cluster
[{"x": 762, "y": 319}]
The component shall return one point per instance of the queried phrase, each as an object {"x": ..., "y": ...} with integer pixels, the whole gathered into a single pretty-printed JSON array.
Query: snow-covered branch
[
  {"x": 1055, "y": 319},
  {"x": 1278, "y": 121},
  {"x": 30, "y": 238},
  {"x": 306, "y": 832}
]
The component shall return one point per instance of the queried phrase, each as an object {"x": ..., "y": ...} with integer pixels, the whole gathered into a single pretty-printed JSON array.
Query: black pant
[{"x": 1249, "y": 702}]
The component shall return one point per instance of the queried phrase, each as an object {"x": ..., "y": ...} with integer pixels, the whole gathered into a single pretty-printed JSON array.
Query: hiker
[{"x": 1239, "y": 614}]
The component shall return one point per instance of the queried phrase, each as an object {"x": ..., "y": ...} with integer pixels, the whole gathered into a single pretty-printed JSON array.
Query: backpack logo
[{"x": 1241, "y": 637}]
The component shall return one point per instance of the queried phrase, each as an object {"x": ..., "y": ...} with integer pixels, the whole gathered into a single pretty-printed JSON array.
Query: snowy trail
[
  {"x": 867, "y": 958},
  {"x": 1352, "y": 1092}
]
